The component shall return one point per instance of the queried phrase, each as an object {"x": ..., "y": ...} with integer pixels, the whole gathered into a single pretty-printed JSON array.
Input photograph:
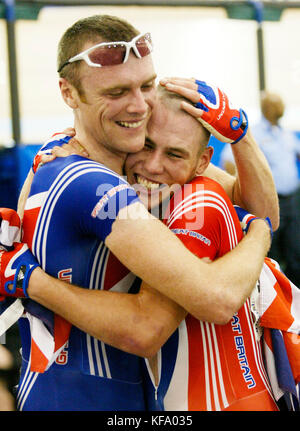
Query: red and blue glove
[
  {"x": 222, "y": 120},
  {"x": 16, "y": 260},
  {"x": 16, "y": 267},
  {"x": 246, "y": 219},
  {"x": 58, "y": 139}
]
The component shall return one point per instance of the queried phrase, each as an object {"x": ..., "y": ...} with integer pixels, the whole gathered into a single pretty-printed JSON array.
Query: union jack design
[
  {"x": 10, "y": 228},
  {"x": 278, "y": 308}
]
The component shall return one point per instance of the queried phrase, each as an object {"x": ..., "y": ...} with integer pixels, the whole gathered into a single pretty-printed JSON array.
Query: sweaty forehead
[
  {"x": 170, "y": 129},
  {"x": 165, "y": 119}
]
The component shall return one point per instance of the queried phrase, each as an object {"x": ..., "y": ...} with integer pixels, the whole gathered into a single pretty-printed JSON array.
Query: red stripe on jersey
[
  {"x": 117, "y": 271},
  {"x": 29, "y": 220},
  {"x": 39, "y": 361},
  {"x": 196, "y": 396}
]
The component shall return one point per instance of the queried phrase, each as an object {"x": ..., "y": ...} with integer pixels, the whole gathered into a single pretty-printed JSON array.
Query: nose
[
  {"x": 153, "y": 164},
  {"x": 138, "y": 103}
]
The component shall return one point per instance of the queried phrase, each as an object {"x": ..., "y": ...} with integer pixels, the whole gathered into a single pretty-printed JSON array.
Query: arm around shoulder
[
  {"x": 209, "y": 291},
  {"x": 138, "y": 323}
]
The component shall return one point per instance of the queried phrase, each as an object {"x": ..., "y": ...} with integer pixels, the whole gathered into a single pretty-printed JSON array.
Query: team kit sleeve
[
  {"x": 86, "y": 195},
  {"x": 203, "y": 219},
  {"x": 108, "y": 193},
  {"x": 58, "y": 139}
]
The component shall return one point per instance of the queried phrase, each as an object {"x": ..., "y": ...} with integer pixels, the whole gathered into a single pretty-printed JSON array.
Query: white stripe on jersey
[
  {"x": 105, "y": 359},
  {"x": 219, "y": 368},
  {"x": 24, "y": 390},
  {"x": 201, "y": 193},
  {"x": 32, "y": 379},
  {"x": 103, "y": 347},
  {"x": 90, "y": 356},
  {"x": 208, "y": 327},
  {"x": 206, "y": 368},
  {"x": 124, "y": 284},
  {"x": 24, "y": 383},
  {"x": 65, "y": 177},
  {"x": 98, "y": 359},
  {"x": 96, "y": 275},
  {"x": 177, "y": 395},
  {"x": 48, "y": 202},
  {"x": 206, "y": 199},
  {"x": 212, "y": 373}
]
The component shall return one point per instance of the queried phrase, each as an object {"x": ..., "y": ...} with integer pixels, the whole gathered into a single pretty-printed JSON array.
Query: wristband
[
  {"x": 267, "y": 220},
  {"x": 21, "y": 279}
]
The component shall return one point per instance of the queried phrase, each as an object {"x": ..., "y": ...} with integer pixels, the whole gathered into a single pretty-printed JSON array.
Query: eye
[
  {"x": 148, "y": 86},
  {"x": 148, "y": 146},
  {"x": 174, "y": 155},
  {"x": 115, "y": 93}
]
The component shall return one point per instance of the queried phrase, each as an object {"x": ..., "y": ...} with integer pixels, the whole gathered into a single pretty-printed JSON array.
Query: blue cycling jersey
[{"x": 70, "y": 211}]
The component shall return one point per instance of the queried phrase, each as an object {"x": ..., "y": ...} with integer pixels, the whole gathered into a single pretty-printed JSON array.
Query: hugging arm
[
  {"x": 142, "y": 322},
  {"x": 210, "y": 291},
  {"x": 253, "y": 188}
]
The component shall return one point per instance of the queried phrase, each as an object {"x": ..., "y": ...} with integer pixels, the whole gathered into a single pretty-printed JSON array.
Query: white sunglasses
[{"x": 113, "y": 53}]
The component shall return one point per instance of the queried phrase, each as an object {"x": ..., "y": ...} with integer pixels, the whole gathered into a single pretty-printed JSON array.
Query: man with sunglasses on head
[{"x": 81, "y": 214}]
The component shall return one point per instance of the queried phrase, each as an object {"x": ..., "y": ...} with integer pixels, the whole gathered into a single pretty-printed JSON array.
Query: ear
[
  {"x": 204, "y": 160},
  {"x": 69, "y": 93}
]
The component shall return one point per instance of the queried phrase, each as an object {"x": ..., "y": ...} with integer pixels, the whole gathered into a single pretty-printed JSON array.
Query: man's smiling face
[
  {"x": 116, "y": 103},
  {"x": 172, "y": 155}
]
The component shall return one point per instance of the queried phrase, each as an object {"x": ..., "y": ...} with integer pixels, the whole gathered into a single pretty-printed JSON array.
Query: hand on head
[{"x": 210, "y": 106}]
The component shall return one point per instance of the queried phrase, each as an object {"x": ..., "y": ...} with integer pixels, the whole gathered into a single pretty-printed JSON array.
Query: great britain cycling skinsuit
[
  {"x": 204, "y": 366},
  {"x": 70, "y": 210}
]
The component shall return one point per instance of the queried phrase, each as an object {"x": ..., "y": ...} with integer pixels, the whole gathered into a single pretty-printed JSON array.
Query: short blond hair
[{"x": 173, "y": 101}]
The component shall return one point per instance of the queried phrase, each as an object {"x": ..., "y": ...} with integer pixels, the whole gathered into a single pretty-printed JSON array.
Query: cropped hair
[
  {"x": 173, "y": 101},
  {"x": 94, "y": 29}
]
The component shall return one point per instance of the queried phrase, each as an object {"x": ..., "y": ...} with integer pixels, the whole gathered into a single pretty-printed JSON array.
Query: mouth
[
  {"x": 147, "y": 183},
  {"x": 131, "y": 124}
]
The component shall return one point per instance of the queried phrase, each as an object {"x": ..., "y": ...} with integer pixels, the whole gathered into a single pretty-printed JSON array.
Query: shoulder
[
  {"x": 205, "y": 186},
  {"x": 200, "y": 196},
  {"x": 77, "y": 174},
  {"x": 58, "y": 139}
]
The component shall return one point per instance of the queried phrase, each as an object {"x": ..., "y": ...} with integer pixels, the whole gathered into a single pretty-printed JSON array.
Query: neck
[
  {"x": 100, "y": 153},
  {"x": 274, "y": 122}
]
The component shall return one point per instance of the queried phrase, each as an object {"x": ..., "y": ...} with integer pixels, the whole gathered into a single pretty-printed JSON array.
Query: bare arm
[
  {"x": 136, "y": 323},
  {"x": 253, "y": 188},
  {"x": 211, "y": 292},
  {"x": 24, "y": 194}
]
